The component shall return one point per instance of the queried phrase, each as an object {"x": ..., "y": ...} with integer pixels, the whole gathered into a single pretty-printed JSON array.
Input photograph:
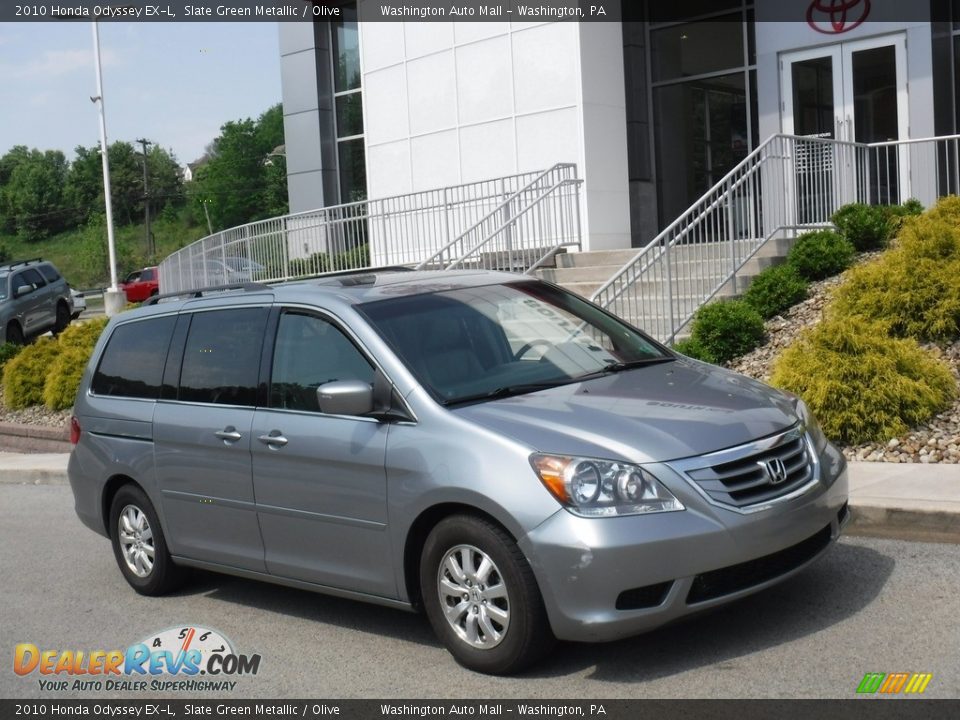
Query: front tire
[
  {"x": 481, "y": 597},
  {"x": 15, "y": 334},
  {"x": 139, "y": 545}
]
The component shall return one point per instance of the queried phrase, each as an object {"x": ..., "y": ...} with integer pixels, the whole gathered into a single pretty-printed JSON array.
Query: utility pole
[
  {"x": 207, "y": 214},
  {"x": 146, "y": 198},
  {"x": 114, "y": 299}
]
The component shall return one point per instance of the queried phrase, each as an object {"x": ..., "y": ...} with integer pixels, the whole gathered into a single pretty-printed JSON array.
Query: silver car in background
[{"x": 489, "y": 448}]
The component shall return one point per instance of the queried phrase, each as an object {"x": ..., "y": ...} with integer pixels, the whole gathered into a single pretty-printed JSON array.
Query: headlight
[
  {"x": 601, "y": 488},
  {"x": 813, "y": 427}
]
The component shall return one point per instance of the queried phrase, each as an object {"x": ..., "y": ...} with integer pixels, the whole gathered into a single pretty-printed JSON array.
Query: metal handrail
[
  {"x": 788, "y": 183},
  {"x": 498, "y": 210},
  {"x": 396, "y": 230}
]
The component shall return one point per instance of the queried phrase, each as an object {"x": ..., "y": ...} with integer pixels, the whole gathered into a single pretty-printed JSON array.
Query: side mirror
[
  {"x": 24, "y": 290},
  {"x": 345, "y": 397}
]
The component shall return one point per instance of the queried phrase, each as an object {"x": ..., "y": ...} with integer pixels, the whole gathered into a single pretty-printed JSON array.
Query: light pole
[{"x": 113, "y": 299}]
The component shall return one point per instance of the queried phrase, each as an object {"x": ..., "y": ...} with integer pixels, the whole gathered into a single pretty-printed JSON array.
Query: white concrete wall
[{"x": 450, "y": 103}]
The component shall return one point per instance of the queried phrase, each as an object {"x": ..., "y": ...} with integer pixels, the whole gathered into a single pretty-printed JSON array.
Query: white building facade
[{"x": 653, "y": 111}]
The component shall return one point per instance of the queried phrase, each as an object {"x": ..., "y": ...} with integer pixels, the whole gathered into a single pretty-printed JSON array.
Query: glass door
[
  {"x": 875, "y": 111},
  {"x": 812, "y": 107},
  {"x": 854, "y": 92}
]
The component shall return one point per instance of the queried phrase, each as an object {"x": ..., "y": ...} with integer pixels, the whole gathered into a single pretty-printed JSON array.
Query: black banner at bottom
[{"x": 872, "y": 708}]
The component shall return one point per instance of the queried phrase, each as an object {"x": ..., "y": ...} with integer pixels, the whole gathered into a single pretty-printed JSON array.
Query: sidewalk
[{"x": 907, "y": 501}]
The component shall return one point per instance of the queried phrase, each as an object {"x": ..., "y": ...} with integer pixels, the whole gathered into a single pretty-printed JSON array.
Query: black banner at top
[{"x": 845, "y": 12}]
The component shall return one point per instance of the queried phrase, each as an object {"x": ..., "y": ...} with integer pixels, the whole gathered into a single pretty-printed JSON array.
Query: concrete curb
[{"x": 907, "y": 501}]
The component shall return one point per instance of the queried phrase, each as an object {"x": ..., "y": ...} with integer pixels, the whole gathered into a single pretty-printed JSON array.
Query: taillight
[{"x": 74, "y": 430}]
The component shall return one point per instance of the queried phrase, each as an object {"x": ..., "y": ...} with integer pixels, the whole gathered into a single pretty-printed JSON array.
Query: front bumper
[{"x": 664, "y": 566}]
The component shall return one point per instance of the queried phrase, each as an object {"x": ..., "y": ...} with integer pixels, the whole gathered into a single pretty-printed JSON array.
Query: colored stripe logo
[{"x": 894, "y": 683}]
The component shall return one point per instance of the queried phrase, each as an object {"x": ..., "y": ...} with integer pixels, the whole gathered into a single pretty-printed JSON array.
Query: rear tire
[
  {"x": 139, "y": 545},
  {"x": 63, "y": 319},
  {"x": 481, "y": 597},
  {"x": 15, "y": 334}
]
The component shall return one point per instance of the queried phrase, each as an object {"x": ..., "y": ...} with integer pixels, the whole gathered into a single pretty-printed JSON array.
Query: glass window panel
[
  {"x": 221, "y": 359},
  {"x": 353, "y": 172},
  {"x": 132, "y": 364},
  {"x": 875, "y": 94},
  {"x": 310, "y": 352},
  {"x": 346, "y": 51},
  {"x": 697, "y": 48},
  {"x": 349, "y": 115},
  {"x": 813, "y": 112},
  {"x": 701, "y": 134}
]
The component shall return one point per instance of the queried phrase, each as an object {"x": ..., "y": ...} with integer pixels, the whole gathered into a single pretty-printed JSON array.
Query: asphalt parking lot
[{"x": 869, "y": 606}]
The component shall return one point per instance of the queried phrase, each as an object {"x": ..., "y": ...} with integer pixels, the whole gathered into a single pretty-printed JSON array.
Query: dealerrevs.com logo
[{"x": 188, "y": 658}]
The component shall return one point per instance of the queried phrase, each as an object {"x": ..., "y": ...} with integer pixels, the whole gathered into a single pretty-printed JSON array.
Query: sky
[{"x": 172, "y": 83}]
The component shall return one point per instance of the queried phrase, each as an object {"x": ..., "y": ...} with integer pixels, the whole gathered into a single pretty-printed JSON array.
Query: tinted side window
[
  {"x": 32, "y": 277},
  {"x": 49, "y": 273},
  {"x": 132, "y": 363},
  {"x": 221, "y": 360},
  {"x": 146, "y": 275},
  {"x": 308, "y": 353}
]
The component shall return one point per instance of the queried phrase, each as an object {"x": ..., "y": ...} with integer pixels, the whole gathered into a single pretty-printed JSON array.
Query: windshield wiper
[
  {"x": 509, "y": 391},
  {"x": 615, "y": 367}
]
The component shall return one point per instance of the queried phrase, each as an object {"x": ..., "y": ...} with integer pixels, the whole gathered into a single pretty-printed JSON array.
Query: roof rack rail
[
  {"x": 14, "y": 263},
  {"x": 200, "y": 292},
  {"x": 354, "y": 271}
]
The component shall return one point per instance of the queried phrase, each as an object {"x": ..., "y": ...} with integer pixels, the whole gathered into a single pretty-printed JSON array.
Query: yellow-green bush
[
  {"x": 25, "y": 375},
  {"x": 912, "y": 290},
  {"x": 49, "y": 371},
  {"x": 862, "y": 384},
  {"x": 75, "y": 345},
  {"x": 946, "y": 209}
]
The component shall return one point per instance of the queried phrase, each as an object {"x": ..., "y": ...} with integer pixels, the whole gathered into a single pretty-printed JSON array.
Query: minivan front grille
[{"x": 757, "y": 476}]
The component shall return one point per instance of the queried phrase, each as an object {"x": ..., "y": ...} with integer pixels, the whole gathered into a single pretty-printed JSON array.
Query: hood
[{"x": 648, "y": 414}]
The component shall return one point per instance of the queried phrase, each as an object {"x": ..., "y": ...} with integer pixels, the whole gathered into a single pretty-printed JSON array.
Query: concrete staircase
[{"x": 585, "y": 272}]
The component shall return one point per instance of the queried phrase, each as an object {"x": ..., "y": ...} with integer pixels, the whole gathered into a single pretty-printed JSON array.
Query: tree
[
  {"x": 33, "y": 195},
  {"x": 85, "y": 181},
  {"x": 241, "y": 181}
]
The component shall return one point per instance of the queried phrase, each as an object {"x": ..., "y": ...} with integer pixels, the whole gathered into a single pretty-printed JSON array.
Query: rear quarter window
[
  {"x": 49, "y": 273},
  {"x": 132, "y": 363}
]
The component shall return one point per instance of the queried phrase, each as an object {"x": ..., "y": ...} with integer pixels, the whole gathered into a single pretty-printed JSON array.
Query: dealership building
[{"x": 652, "y": 111}]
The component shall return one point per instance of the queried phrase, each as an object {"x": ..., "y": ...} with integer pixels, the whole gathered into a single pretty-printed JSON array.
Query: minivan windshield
[{"x": 493, "y": 341}]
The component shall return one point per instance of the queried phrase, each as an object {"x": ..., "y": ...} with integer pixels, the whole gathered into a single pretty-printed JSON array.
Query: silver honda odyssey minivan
[{"x": 489, "y": 448}]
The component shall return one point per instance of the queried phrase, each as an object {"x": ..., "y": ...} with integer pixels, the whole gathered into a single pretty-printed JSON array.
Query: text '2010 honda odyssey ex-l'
[{"x": 490, "y": 448}]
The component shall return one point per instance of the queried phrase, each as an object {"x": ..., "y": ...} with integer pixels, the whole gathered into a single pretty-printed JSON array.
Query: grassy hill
[{"x": 81, "y": 254}]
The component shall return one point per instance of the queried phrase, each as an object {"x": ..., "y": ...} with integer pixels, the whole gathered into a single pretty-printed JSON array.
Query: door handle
[
  {"x": 274, "y": 438},
  {"x": 229, "y": 434}
]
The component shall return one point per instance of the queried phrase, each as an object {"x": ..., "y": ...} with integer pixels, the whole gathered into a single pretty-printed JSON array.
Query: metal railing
[
  {"x": 523, "y": 231},
  {"x": 786, "y": 185},
  {"x": 513, "y": 222}
]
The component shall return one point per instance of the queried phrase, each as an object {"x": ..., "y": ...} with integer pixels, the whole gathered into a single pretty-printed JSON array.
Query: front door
[
  {"x": 854, "y": 92},
  {"x": 320, "y": 480}
]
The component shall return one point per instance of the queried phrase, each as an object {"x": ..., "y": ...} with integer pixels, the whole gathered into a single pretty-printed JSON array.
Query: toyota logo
[
  {"x": 775, "y": 470},
  {"x": 832, "y": 17}
]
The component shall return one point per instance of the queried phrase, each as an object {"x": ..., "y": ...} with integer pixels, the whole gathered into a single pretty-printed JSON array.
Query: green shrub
[
  {"x": 63, "y": 377},
  {"x": 25, "y": 374},
  {"x": 946, "y": 209},
  {"x": 818, "y": 255},
  {"x": 775, "y": 289},
  {"x": 861, "y": 384},
  {"x": 912, "y": 290},
  {"x": 8, "y": 351},
  {"x": 725, "y": 330},
  {"x": 866, "y": 226},
  {"x": 690, "y": 348},
  {"x": 75, "y": 346}
]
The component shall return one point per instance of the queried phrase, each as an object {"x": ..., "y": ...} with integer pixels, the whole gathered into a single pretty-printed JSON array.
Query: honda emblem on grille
[{"x": 775, "y": 469}]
